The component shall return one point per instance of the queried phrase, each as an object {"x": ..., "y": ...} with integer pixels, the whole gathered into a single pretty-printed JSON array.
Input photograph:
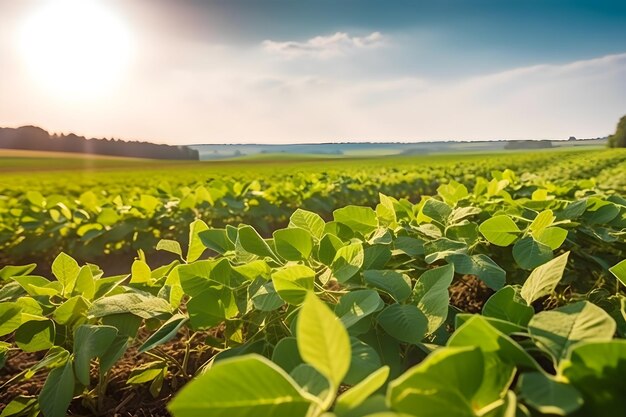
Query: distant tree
[
  {"x": 618, "y": 139},
  {"x": 572, "y": 138}
]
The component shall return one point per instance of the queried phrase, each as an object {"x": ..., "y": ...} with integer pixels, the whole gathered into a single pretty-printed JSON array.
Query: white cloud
[{"x": 329, "y": 46}]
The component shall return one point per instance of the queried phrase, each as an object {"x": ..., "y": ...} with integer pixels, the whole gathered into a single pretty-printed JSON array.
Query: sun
[{"x": 78, "y": 48}]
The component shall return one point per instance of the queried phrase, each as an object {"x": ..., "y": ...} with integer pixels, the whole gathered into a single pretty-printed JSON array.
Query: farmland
[{"x": 458, "y": 285}]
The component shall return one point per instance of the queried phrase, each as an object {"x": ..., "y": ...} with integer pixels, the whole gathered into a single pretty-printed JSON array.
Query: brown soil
[
  {"x": 122, "y": 400},
  {"x": 469, "y": 294}
]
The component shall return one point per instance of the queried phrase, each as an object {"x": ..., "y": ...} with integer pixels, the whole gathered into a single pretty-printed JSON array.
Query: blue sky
[{"x": 280, "y": 71}]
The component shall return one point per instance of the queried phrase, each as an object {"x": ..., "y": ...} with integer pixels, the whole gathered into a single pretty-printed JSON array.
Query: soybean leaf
[
  {"x": 165, "y": 333},
  {"x": 323, "y": 342},
  {"x": 286, "y": 354},
  {"x": 405, "y": 322},
  {"x": 529, "y": 253},
  {"x": 293, "y": 282},
  {"x": 293, "y": 244},
  {"x": 65, "y": 269},
  {"x": 597, "y": 370},
  {"x": 548, "y": 395},
  {"x": 565, "y": 326},
  {"x": 10, "y": 317},
  {"x": 477, "y": 331},
  {"x": 619, "y": 271},
  {"x": 35, "y": 335},
  {"x": 361, "y": 391},
  {"x": 216, "y": 240},
  {"x": 58, "y": 391},
  {"x": 507, "y": 304},
  {"x": 360, "y": 219},
  {"x": 394, "y": 283},
  {"x": 355, "y": 305},
  {"x": 482, "y": 266},
  {"x": 90, "y": 342},
  {"x": 195, "y": 248},
  {"x": 171, "y": 246},
  {"x": 347, "y": 262},
  {"x": 454, "y": 374},
  {"x": 499, "y": 230},
  {"x": 309, "y": 221},
  {"x": 432, "y": 297},
  {"x": 544, "y": 279},
  {"x": 253, "y": 243},
  {"x": 241, "y": 387}
]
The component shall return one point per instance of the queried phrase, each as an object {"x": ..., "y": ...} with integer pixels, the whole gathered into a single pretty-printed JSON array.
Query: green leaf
[
  {"x": 553, "y": 237},
  {"x": 85, "y": 284},
  {"x": 452, "y": 192},
  {"x": 245, "y": 386},
  {"x": 394, "y": 283},
  {"x": 10, "y": 317},
  {"x": 90, "y": 342},
  {"x": 140, "y": 273},
  {"x": 140, "y": 305},
  {"x": 71, "y": 310},
  {"x": 10, "y": 271},
  {"x": 442, "y": 385},
  {"x": 364, "y": 361},
  {"x": 347, "y": 262},
  {"x": 308, "y": 221},
  {"x": 436, "y": 210},
  {"x": 376, "y": 256},
  {"x": 65, "y": 269},
  {"x": 477, "y": 331},
  {"x": 35, "y": 335},
  {"x": 57, "y": 392},
  {"x": 499, "y": 230},
  {"x": 360, "y": 219},
  {"x": 529, "y": 253},
  {"x": 21, "y": 406},
  {"x": 216, "y": 240},
  {"x": 311, "y": 381},
  {"x": 507, "y": 304},
  {"x": 542, "y": 221},
  {"x": 558, "y": 329},
  {"x": 405, "y": 322},
  {"x": 329, "y": 245},
  {"x": 432, "y": 297},
  {"x": 544, "y": 279},
  {"x": 597, "y": 370},
  {"x": 548, "y": 395},
  {"x": 286, "y": 354},
  {"x": 171, "y": 246},
  {"x": 619, "y": 271},
  {"x": 196, "y": 248},
  {"x": 211, "y": 307},
  {"x": 360, "y": 392},
  {"x": 293, "y": 244},
  {"x": 293, "y": 283},
  {"x": 356, "y": 305},
  {"x": 253, "y": 243},
  {"x": 165, "y": 333},
  {"x": 264, "y": 297},
  {"x": 323, "y": 342},
  {"x": 482, "y": 266}
]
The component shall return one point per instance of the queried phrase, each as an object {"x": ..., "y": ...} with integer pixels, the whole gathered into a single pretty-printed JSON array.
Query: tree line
[{"x": 36, "y": 138}]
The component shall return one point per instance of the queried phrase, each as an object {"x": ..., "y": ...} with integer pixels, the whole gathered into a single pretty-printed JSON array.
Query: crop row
[
  {"x": 95, "y": 215},
  {"x": 351, "y": 316}
]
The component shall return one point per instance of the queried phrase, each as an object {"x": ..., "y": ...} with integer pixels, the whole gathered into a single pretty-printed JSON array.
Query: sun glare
[{"x": 78, "y": 48}]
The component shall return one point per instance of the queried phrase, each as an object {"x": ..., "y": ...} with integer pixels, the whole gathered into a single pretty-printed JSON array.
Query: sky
[{"x": 303, "y": 71}]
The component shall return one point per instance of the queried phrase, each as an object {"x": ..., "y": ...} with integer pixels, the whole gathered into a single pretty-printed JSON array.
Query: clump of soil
[{"x": 469, "y": 294}]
